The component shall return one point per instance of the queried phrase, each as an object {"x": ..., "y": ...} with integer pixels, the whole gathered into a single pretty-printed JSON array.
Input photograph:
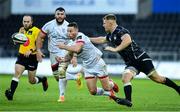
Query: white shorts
[{"x": 98, "y": 70}]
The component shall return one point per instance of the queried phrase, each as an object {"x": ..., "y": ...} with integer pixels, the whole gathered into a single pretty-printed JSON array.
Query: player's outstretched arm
[
  {"x": 74, "y": 48},
  {"x": 98, "y": 40}
]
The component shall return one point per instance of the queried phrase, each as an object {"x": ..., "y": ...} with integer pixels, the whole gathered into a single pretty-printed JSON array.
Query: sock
[
  {"x": 107, "y": 93},
  {"x": 128, "y": 91},
  {"x": 100, "y": 91},
  {"x": 62, "y": 86},
  {"x": 171, "y": 84},
  {"x": 70, "y": 76},
  {"x": 14, "y": 84},
  {"x": 38, "y": 79}
]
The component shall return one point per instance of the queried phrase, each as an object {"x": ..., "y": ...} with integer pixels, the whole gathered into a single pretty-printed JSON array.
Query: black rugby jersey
[{"x": 130, "y": 53}]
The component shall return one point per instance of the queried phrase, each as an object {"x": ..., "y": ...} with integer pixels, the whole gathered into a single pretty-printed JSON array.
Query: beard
[{"x": 59, "y": 23}]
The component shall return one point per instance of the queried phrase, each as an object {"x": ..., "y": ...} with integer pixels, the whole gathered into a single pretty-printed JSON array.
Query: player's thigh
[
  {"x": 91, "y": 83},
  {"x": 19, "y": 69},
  {"x": 105, "y": 83}
]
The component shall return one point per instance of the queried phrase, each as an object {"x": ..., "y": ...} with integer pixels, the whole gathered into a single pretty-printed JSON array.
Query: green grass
[{"x": 147, "y": 96}]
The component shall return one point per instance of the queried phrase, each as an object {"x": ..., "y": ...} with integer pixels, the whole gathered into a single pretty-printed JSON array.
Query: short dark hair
[
  {"x": 110, "y": 17},
  {"x": 73, "y": 24},
  {"x": 29, "y": 16},
  {"x": 60, "y": 9}
]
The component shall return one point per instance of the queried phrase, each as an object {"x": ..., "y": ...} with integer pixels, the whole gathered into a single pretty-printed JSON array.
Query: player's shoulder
[
  {"x": 80, "y": 35},
  {"x": 35, "y": 28},
  {"x": 65, "y": 22},
  {"x": 121, "y": 30},
  {"x": 50, "y": 22}
]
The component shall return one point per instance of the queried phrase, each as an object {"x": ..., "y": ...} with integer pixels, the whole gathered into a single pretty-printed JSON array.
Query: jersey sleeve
[
  {"x": 122, "y": 32},
  {"x": 45, "y": 28},
  {"x": 80, "y": 39},
  {"x": 107, "y": 37},
  {"x": 37, "y": 30}
]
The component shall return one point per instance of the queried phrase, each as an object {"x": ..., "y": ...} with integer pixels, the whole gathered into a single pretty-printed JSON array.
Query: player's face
[
  {"x": 72, "y": 32},
  {"x": 27, "y": 22},
  {"x": 60, "y": 16},
  {"x": 107, "y": 25}
]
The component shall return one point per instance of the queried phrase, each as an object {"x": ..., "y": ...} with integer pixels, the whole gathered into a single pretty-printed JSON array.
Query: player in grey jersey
[
  {"x": 93, "y": 65},
  {"x": 56, "y": 30}
]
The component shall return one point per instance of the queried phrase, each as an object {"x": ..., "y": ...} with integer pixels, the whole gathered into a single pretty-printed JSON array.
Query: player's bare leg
[
  {"x": 164, "y": 80},
  {"x": 33, "y": 79},
  {"x": 114, "y": 86}
]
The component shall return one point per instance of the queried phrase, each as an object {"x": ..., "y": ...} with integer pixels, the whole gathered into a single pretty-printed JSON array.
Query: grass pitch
[{"x": 147, "y": 96}]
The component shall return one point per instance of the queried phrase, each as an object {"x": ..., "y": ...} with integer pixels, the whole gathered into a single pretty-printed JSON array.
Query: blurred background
[{"x": 154, "y": 25}]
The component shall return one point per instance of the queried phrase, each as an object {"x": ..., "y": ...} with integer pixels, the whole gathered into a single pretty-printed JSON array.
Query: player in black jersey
[{"x": 136, "y": 59}]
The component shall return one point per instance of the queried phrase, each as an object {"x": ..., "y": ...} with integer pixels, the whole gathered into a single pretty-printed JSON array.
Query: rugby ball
[{"x": 19, "y": 38}]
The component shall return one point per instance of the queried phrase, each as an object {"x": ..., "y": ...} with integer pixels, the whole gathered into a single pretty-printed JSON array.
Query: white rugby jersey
[
  {"x": 89, "y": 54},
  {"x": 56, "y": 33}
]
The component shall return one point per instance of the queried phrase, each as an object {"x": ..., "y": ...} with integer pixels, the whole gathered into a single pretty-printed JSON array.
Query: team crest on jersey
[{"x": 29, "y": 33}]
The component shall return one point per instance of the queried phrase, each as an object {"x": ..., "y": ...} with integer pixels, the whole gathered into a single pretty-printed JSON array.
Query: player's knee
[
  {"x": 32, "y": 81},
  {"x": 126, "y": 79},
  {"x": 93, "y": 92},
  {"x": 157, "y": 78}
]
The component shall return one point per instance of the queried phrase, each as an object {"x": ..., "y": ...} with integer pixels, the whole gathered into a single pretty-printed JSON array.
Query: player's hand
[
  {"x": 61, "y": 45},
  {"x": 108, "y": 48},
  {"x": 27, "y": 53},
  {"x": 74, "y": 61},
  {"x": 39, "y": 55},
  {"x": 21, "y": 30}
]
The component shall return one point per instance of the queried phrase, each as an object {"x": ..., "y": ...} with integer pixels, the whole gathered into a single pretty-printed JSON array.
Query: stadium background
[{"x": 154, "y": 24}]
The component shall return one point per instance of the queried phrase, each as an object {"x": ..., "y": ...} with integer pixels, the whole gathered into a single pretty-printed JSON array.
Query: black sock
[
  {"x": 14, "y": 85},
  {"x": 128, "y": 91},
  {"x": 40, "y": 79},
  {"x": 171, "y": 84}
]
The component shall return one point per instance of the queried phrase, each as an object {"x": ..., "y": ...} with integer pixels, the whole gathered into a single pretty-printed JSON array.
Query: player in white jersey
[
  {"x": 56, "y": 30},
  {"x": 94, "y": 65}
]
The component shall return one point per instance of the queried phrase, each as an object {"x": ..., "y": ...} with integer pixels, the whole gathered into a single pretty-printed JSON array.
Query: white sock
[
  {"x": 107, "y": 93},
  {"x": 62, "y": 86},
  {"x": 71, "y": 76},
  {"x": 15, "y": 79},
  {"x": 37, "y": 80},
  {"x": 100, "y": 91}
]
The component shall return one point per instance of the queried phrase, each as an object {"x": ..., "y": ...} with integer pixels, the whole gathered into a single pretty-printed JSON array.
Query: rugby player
[
  {"x": 93, "y": 65},
  {"x": 136, "y": 59},
  {"x": 56, "y": 31}
]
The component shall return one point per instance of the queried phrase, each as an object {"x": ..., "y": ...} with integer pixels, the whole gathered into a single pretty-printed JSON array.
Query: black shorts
[
  {"x": 143, "y": 64},
  {"x": 29, "y": 63}
]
